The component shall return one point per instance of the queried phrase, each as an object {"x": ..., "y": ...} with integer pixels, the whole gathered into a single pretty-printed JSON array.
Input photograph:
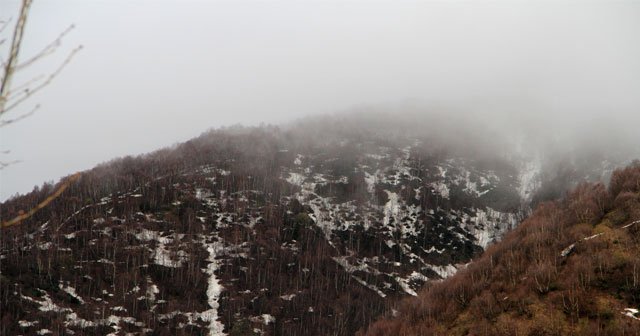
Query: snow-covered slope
[{"x": 257, "y": 232}]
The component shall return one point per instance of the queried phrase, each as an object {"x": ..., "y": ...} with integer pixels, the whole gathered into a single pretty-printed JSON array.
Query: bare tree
[{"x": 13, "y": 95}]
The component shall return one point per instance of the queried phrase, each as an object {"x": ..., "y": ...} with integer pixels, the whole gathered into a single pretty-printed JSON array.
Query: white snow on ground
[
  {"x": 214, "y": 288},
  {"x": 46, "y": 304},
  {"x": 253, "y": 221},
  {"x": 631, "y": 312},
  {"x": 391, "y": 209},
  {"x": 161, "y": 255},
  {"x": 488, "y": 225},
  {"x": 529, "y": 179},
  {"x": 288, "y": 297},
  {"x": 404, "y": 284},
  {"x": 371, "y": 180},
  {"x": 396, "y": 215},
  {"x": 74, "y": 321},
  {"x": 362, "y": 266},
  {"x": 567, "y": 250},
  {"x": 296, "y": 179},
  {"x": 322, "y": 215},
  {"x": 418, "y": 276},
  {"x": 404, "y": 216},
  {"x": 442, "y": 171},
  {"x": 152, "y": 289},
  {"x": 27, "y": 324},
  {"x": 442, "y": 188},
  {"x": 370, "y": 286},
  {"x": 298, "y": 160},
  {"x": 631, "y": 224},
  {"x": 71, "y": 318},
  {"x": 164, "y": 257},
  {"x": 203, "y": 193},
  {"x": 71, "y": 291},
  {"x": 268, "y": 318},
  {"x": 444, "y": 271},
  {"x": 594, "y": 236},
  {"x": 434, "y": 249},
  {"x": 570, "y": 248},
  {"x": 264, "y": 319}
]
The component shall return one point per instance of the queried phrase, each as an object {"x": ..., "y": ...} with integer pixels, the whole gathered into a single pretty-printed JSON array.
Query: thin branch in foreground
[
  {"x": 4, "y": 165},
  {"x": 46, "y": 51},
  {"x": 28, "y": 93},
  {"x": 24, "y": 86},
  {"x": 16, "y": 220},
  {"x": 11, "y": 121},
  {"x": 4, "y": 25},
  {"x": 5, "y": 81}
]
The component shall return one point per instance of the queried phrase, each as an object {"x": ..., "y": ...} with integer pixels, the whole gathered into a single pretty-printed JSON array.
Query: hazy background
[{"x": 153, "y": 73}]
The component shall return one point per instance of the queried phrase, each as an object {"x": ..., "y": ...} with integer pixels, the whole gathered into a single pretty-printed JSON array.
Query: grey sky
[{"x": 153, "y": 73}]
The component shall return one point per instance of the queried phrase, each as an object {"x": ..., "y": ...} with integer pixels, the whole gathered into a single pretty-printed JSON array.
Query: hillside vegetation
[
  {"x": 250, "y": 231},
  {"x": 571, "y": 268},
  {"x": 315, "y": 229}
]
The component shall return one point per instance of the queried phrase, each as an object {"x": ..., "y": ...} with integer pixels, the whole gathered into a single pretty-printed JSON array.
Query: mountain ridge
[{"x": 269, "y": 230}]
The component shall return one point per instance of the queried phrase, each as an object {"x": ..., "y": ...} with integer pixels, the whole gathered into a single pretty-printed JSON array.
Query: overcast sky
[{"x": 153, "y": 73}]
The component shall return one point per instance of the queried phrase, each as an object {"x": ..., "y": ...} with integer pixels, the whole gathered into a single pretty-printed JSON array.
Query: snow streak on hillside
[{"x": 416, "y": 207}]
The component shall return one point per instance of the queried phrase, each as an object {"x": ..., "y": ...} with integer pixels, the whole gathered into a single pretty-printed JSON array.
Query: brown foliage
[
  {"x": 523, "y": 286},
  {"x": 627, "y": 179}
]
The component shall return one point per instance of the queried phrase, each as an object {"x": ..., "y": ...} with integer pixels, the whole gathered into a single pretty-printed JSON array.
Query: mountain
[
  {"x": 315, "y": 228},
  {"x": 572, "y": 268}
]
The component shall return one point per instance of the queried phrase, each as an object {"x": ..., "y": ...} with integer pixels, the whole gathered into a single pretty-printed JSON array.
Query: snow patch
[
  {"x": 27, "y": 324},
  {"x": 444, "y": 271},
  {"x": 296, "y": 179},
  {"x": 71, "y": 291},
  {"x": 267, "y": 318},
  {"x": 529, "y": 179},
  {"x": 214, "y": 288},
  {"x": 442, "y": 188},
  {"x": 631, "y": 312}
]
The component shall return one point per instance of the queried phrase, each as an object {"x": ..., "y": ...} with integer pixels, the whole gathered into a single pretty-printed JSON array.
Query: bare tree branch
[
  {"x": 24, "y": 86},
  {"x": 9, "y": 67},
  {"x": 29, "y": 92},
  {"x": 46, "y": 51},
  {"x": 56, "y": 194},
  {"x": 11, "y": 96},
  {"x": 3, "y": 26},
  {"x": 11, "y": 121},
  {"x": 4, "y": 165}
]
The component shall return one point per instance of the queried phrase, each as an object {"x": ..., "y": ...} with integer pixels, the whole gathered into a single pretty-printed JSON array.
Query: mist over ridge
[{"x": 553, "y": 70}]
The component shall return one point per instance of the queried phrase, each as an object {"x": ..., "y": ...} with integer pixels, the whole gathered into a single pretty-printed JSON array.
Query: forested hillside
[
  {"x": 571, "y": 268},
  {"x": 316, "y": 228}
]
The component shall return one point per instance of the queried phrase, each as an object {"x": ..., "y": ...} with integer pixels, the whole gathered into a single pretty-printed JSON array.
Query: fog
[{"x": 153, "y": 73}]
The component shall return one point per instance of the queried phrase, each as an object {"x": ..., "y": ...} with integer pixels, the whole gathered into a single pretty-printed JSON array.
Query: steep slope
[
  {"x": 572, "y": 268},
  {"x": 310, "y": 230}
]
